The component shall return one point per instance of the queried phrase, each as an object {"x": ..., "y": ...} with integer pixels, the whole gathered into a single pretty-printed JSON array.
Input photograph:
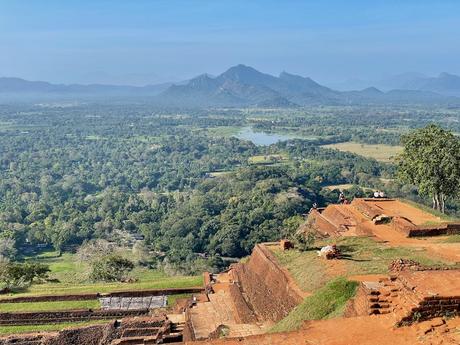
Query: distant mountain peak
[
  {"x": 371, "y": 90},
  {"x": 294, "y": 77},
  {"x": 444, "y": 75},
  {"x": 243, "y": 73}
]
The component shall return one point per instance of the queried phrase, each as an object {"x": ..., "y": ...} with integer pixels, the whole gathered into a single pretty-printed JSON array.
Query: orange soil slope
[{"x": 369, "y": 330}]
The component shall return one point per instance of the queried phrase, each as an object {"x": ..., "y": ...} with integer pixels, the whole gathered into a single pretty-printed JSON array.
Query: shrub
[
  {"x": 111, "y": 268},
  {"x": 21, "y": 275}
]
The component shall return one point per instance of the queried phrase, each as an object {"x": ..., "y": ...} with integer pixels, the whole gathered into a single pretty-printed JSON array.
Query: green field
[
  {"x": 361, "y": 256},
  {"x": 224, "y": 131},
  {"x": 48, "y": 306},
  {"x": 69, "y": 276},
  {"x": 218, "y": 173},
  {"x": 5, "y": 330},
  {"x": 147, "y": 280},
  {"x": 380, "y": 152},
  {"x": 66, "y": 273},
  {"x": 267, "y": 159}
]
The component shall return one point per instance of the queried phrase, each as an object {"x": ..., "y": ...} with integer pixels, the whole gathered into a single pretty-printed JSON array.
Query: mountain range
[
  {"x": 242, "y": 86},
  {"x": 445, "y": 83}
]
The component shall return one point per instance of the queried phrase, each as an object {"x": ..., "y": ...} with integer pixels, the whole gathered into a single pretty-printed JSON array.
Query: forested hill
[{"x": 72, "y": 174}]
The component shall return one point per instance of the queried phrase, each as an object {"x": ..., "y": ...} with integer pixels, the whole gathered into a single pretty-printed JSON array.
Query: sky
[{"x": 151, "y": 41}]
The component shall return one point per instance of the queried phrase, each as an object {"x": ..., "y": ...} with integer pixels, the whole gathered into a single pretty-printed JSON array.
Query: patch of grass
[
  {"x": 5, "y": 330},
  {"x": 69, "y": 276},
  {"x": 380, "y": 152},
  {"x": 267, "y": 159},
  {"x": 244, "y": 260},
  {"x": 218, "y": 173},
  {"x": 48, "y": 306},
  {"x": 309, "y": 271},
  {"x": 64, "y": 268},
  {"x": 327, "y": 302},
  {"x": 224, "y": 131},
  {"x": 361, "y": 255},
  {"x": 452, "y": 239},
  {"x": 172, "y": 299},
  {"x": 151, "y": 280},
  {"x": 366, "y": 256}
]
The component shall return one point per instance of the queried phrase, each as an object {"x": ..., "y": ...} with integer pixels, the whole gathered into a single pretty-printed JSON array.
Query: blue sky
[{"x": 140, "y": 41}]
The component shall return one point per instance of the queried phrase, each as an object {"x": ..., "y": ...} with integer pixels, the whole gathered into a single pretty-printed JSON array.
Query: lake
[{"x": 261, "y": 138}]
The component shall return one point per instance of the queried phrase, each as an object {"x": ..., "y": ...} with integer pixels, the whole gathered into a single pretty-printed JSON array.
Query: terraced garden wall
[{"x": 93, "y": 296}]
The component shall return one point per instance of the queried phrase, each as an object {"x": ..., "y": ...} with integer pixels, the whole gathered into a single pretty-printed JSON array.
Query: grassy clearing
[
  {"x": 380, "y": 152},
  {"x": 151, "y": 280},
  {"x": 5, "y": 330},
  {"x": 452, "y": 239},
  {"x": 69, "y": 276},
  {"x": 64, "y": 268},
  {"x": 48, "y": 306},
  {"x": 218, "y": 173},
  {"x": 224, "y": 131},
  {"x": 309, "y": 271},
  {"x": 366, "y": 256},
  {"x": 327, "y": 302},
  {"x": 267, "y": 159},
  {"x": 362, "y": 255}
]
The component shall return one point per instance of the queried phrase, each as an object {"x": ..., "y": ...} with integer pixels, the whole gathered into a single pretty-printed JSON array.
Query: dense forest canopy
[{"x": 180, "y": 179}]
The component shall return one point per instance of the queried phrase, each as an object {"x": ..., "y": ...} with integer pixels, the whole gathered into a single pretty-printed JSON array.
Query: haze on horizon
[{"x": 146, "y": 42}]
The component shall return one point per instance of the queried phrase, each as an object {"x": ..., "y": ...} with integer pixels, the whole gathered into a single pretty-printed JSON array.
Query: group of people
[
  {"x": 379, "y": 194},
  {"x": 342, "y": 199}
]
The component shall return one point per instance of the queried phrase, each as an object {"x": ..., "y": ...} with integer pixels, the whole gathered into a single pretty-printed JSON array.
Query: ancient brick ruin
[
  {"x": 240, "y": 305},
  {"x": 266, "y": 286},
  {"x": 364, "y": 215},
  {"x": 147, "y": 330},
  {"x": 409, "y": 296}
]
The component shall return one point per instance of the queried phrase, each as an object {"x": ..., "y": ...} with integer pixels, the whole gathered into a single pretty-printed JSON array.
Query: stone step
[
  {"x": 380, "y": 306},
  {"x": 144, "y": 331},
  {"x": 135, "y": 341}
]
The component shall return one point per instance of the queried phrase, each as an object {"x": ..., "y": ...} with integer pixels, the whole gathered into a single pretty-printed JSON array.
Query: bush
[
  {"x": 111, "y": 268},
  {"x": 94, "y": 249},
  {"x": 305, "y": 236},
  {"x": 21, "y": 275}
]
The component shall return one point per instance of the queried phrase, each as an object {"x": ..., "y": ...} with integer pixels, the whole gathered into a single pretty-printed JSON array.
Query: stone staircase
[
  {"x": 406, "y": 304},
  {"x": 149, "y": 333}
]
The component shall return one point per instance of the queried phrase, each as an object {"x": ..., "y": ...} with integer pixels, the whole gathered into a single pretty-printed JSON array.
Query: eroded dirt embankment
[{"x": 267, "y": 287}]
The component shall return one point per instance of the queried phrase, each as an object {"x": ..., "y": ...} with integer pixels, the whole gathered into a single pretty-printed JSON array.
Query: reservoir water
[{"x": 261, "y": 138}]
